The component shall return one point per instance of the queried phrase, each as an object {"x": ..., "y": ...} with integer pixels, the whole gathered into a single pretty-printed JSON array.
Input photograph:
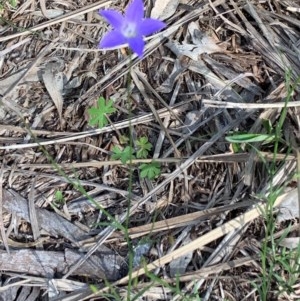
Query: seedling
[
  {"x": 124, "y": 155},
  {"x": 98, "y": 115},
  {"x": 150, "y": 170},
  {"x": 144, "y": 146}
]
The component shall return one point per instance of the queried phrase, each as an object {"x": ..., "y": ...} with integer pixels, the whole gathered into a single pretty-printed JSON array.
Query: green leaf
[
  {"x": 248, "y": 138},
  {"x": 124, "y": 155},
  {"x": 59, "y": 196},
  {"x": 144, "y": 146},
  {"x": 98, "y": 114},
  {"x": 267, "y": 125},
  {"x": 124, "y": 139},
  {"x": 93, "y": 288},
  {"x": 150, "y": 170},
  {"x": 236, "y": 147}
]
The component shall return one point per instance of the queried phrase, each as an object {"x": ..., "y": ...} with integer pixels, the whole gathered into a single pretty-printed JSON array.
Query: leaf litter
[{"x": 218, "y": 67}]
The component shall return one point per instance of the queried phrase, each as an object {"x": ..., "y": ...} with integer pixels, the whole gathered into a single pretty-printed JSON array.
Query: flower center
[{"x": 129, "y": 30}]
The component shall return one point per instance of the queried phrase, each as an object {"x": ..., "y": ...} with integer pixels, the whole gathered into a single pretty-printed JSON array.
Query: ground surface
[{"x": 67, "y": 218}]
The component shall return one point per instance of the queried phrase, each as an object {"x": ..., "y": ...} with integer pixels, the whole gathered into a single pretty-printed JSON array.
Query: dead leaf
[
  {"x": 179, "y": 265},
  {"x": 8, "y": 82},
  {"x": 193, "y": 51},
  {"x": 202, "y": 43},
  {"x": 290, "y": 242},
  {"x": 289, "y": 208},
  {"x": 77, "y": 81},
  {"x": 139, "y": 251},
  {"x": 164, "y": 9},
  {"x": 54, "y": 83},
  {"x": 168, "y": 84},
  {"x": 51, "y": 13}
]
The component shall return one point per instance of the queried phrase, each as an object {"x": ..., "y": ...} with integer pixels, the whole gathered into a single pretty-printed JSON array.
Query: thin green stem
[
  {"x": 269, "y": 252},
  {"x": 130, "y": 184}
]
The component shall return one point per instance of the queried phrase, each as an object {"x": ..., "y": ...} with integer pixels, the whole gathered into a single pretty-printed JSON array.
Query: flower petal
[
  {"x": 112, "y": 39},
  {"x": 113, "y": 17},
  {"x": 150, "y": 26},
  {"x": 135, "y": 11},
  {"x": 137, "y": 45}
]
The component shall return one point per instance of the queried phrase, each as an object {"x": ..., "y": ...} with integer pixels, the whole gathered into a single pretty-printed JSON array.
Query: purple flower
[{"x": 130, "y": 28}]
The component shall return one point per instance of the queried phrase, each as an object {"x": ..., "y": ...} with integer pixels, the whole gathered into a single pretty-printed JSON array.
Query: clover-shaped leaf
[
  {"x": 98, "y": 114},
  {"x": 150, "y": 170},
  {"x": 144, "y": 146},
  {"x": 124, "y": 155}
]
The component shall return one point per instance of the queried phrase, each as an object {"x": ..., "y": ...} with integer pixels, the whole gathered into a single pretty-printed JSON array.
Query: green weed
[{"x": 280, "y": 266}]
